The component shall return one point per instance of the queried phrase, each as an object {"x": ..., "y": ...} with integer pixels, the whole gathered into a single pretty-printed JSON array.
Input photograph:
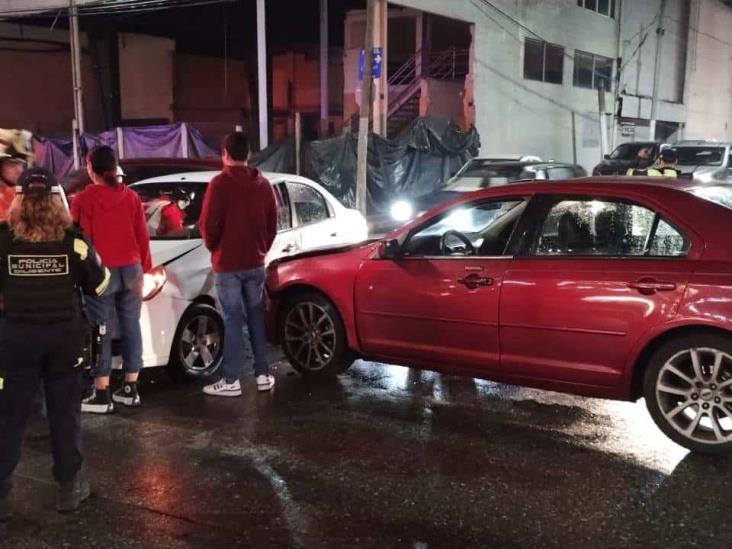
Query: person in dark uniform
[{"x": 45, "y": 264}]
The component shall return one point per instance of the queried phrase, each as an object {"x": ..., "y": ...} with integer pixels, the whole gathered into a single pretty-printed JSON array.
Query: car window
[
  {"x": 477, "y": 229},
  {"x": 667, "y": 241},
  {"x": 308, "y": 204},
  {"x": 606, "y": 228},
  {"x": 284, "y": 213},
  {"x": 627, "y": 151},
  {"x": 700, "y": 156},
  {"x": 561, "y": 172},
  {"x": 487, "y": 175},
  {"x": 172, "y": 209}
]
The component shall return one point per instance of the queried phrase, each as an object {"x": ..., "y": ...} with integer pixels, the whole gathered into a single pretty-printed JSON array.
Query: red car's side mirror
[{"x": 389, "y": 249}]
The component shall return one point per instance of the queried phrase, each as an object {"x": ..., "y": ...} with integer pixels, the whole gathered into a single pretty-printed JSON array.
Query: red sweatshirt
[
  {"x": 239, "y": 219},
  {"x": 114, "y": 220}
]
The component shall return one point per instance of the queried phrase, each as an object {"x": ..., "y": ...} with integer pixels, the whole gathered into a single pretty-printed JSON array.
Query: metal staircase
[{"x": 405, "y": 84}]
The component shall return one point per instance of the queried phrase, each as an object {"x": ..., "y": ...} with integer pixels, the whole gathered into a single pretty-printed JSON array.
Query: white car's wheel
[
  {"x": 198, "y": 344},
  {"x": 688, "y": 391}
]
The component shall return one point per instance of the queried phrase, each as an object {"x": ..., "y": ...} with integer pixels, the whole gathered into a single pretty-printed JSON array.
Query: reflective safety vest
[
  {"x": 41, "y": 282},
  {"x": 654, "y": 172}
]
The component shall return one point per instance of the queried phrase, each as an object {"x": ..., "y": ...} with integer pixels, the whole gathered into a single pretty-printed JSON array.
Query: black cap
[
  {"x": 669, "y": 155},
  {"x": 37, "y": 182}
]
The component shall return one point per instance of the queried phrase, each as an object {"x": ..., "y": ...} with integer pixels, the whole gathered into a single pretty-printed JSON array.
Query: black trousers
[{"x": 31, "y": 354}]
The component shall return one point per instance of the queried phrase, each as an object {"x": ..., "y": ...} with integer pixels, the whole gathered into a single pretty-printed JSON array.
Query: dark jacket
[
  {"x": 40, "y": 281},
  {"x": 239, "y": 219}
]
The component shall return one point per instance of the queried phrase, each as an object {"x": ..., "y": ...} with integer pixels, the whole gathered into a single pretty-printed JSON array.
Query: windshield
[
  {"x": 700, "y": 156},
  {"x": 721, "y": 194},
  {"x": 172, "y": 209},
  {"x": 628, "y": 151},
  {"x": 481, "y": 174}
]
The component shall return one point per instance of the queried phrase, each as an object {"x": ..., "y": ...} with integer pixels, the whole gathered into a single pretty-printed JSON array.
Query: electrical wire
[{"x": 105, "y": 7}]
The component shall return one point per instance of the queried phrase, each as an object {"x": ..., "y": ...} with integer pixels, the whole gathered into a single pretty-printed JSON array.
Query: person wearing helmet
[{"x": 45, "y": 266}]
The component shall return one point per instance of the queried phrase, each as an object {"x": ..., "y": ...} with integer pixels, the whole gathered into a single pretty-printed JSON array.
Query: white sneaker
[
  {"x": 223, "y": 389},
  {"x": 265, "y": 383}
]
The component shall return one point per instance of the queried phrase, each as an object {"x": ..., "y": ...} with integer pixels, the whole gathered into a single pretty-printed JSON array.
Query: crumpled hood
[{"x": 106, "y": 197}]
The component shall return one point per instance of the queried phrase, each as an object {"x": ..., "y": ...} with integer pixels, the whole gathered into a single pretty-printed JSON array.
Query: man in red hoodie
[{"x": 238, "y": 223}]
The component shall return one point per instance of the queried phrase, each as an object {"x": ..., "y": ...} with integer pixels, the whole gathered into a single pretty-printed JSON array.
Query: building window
[
  {"x": 591, "y": 69},
  {"x": 603, "y": 7},
  {"x": 543, "y": 61}
]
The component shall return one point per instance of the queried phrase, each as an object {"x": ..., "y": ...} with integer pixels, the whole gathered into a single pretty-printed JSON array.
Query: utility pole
[
  {"x": 363, "y": 121},
  {"x": 262, "y": 75},
  {"x": 603, "y": 118},
  {"x": 78, "y": 122},
  {"x": 660, "y": 31},
  {"x": 324, "y": 60}
]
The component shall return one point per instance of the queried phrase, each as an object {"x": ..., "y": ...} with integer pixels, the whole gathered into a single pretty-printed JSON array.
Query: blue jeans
[
  {"x": 240, "y": 297},
  {"x": 121, "y": 302}
]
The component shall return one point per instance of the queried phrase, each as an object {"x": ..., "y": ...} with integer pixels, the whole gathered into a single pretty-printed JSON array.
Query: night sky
[{"x": 201, "y": 29}]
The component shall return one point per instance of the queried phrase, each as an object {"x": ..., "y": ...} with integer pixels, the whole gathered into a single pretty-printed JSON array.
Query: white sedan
[{"x": 181, "y": 327}]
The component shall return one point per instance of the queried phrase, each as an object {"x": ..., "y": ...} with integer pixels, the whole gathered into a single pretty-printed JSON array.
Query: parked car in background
[
  {"x": 705, "y": 161},
  {"x": 608, "y": 289},
  {"x": 478, "y": 173},
  {"x": 618, "y": 161},
  {"x": 137, "y": 169},
  {"x": 181, "y": 326}
]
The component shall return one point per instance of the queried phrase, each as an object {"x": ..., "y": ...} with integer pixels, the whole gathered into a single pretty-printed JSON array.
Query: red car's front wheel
[
  {"x": 313, "y": 337},
  {"x": 688, "y": 390}
]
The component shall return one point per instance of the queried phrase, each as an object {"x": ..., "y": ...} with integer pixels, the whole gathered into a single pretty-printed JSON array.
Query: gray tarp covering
[{"x": 418, "y": 163}]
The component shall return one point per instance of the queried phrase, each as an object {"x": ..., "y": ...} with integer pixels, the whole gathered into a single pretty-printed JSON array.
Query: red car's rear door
[
  {"x": 598, "y": 275},
  {"x": 438, "y": 303}
]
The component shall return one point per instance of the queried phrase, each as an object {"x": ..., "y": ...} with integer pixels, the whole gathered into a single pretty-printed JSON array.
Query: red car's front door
[
  {"x": 600, "y": 274},
  {"x": 437, "y": 304}
]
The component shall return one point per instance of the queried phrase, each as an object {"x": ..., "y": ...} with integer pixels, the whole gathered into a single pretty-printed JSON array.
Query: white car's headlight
[
  {"x": 153, "y": 282},
  {"x": 401, "y": 210}
]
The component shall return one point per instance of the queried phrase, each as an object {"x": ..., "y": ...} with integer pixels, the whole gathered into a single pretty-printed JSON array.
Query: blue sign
[{"x": 377, "y": 62}]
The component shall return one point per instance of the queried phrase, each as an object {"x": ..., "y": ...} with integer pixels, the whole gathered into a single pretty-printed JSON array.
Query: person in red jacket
[
  {"x": 111, "y": 215},
  {"x": 238, "y": 223}
]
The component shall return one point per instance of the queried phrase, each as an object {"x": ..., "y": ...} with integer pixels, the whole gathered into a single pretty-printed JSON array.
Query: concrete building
[{"x": 535, "y": 67}]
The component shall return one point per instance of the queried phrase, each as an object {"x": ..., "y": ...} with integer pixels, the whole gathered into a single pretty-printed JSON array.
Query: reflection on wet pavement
[{"x": 381, "y": 457}]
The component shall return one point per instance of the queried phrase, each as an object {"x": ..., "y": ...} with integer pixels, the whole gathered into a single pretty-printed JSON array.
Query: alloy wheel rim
[
  {"x": 310, "y": 336},
  {"x": 694, "y": 392},
  {"x": 200, "y": 343}
]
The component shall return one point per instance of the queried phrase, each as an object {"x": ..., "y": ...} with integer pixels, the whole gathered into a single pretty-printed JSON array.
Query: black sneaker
[
  {"x": 127, "y": 395},
  {"x": 6, "y": 513},
  {"x": 71, "y": 494},
  {"x": 100, "y": 402}
]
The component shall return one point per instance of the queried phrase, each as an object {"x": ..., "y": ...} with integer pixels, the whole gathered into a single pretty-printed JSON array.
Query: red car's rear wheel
[
  {"x": 688, "y": 391},
  {"x": 313, "y": 337}
]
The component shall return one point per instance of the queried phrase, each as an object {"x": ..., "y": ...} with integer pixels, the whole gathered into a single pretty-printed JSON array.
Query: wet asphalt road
[{"x": 381, "y": 457}]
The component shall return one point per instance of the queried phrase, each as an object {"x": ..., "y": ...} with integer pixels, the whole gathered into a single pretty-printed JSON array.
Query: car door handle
[
  {"x": 333, "y": 234},
  {"x": 474, "y": 281},
  {"x": 289, "y": 248},
  {"x": 649, "y": 286}
]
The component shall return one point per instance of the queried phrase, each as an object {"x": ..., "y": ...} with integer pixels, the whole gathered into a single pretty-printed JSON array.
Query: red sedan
[{"x": 616, "y": 289}]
